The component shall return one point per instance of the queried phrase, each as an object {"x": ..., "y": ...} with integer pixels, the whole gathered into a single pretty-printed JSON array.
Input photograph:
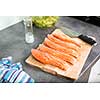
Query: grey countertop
[{"x": 12, "y": 44}]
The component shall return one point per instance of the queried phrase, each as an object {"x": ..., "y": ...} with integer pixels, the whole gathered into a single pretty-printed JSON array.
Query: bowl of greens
[{"x": 44, "y": 21}]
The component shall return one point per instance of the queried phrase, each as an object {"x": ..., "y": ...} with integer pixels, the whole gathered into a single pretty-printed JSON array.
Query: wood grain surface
[{"x": 74, "y": 70}]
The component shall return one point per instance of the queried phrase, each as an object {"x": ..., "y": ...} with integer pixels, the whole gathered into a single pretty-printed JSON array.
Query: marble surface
[{"x": 12, "y": 43}]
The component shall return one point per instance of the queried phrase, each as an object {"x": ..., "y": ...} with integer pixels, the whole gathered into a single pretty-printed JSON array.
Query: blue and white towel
[{"x": 13, "y": 73}]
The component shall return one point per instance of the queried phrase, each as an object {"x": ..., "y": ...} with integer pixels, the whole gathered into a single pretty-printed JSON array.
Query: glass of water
[{"x": 29, "y": 36}]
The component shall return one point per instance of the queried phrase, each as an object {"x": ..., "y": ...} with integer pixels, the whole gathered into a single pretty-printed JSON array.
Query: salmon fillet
[
  {"x": 65, "y": 37},
  {"x": 63, "y": 43},
  {"x": 46, "y": 58},
  {"x": 54, "y": 46},
  {"x": 58, "y": 54}
]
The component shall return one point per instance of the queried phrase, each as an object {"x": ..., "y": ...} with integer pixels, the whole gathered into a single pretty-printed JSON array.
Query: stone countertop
[{"x": 12, "y": 44}]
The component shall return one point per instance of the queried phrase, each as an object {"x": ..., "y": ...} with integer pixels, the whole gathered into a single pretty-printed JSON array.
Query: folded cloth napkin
[{"x": 13, "y": 73}]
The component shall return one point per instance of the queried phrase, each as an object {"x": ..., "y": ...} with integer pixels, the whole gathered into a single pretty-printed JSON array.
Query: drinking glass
[{"x": 29, "y": 36}]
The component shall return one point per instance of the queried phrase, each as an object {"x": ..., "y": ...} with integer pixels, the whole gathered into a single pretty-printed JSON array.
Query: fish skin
[
  {"x": 58, "y": 54},
  {"x": 66, "y": 38},
  {"x": 46, "y": 58},
  {"x": 63, "y": 43},
  {"x": 54, "y": 46}
]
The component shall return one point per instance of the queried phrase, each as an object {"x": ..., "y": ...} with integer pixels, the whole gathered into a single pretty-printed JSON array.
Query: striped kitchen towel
[{"x": 13, "y": 73}]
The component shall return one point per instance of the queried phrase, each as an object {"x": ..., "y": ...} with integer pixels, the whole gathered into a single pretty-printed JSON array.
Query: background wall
[{"x": 6, "y": 21}]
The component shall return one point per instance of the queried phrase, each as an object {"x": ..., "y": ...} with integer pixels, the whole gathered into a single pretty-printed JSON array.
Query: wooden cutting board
[{"x": 74, "y": 71}]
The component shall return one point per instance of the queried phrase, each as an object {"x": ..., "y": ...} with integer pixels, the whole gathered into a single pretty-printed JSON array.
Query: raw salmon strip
[
  {"x": 66, "y": 38},
  {"x": 58, "y": 54},
  {"x": 63, "y": 43},
  {"x": 54, "y": 46},
  {"x": 46, "y": 58}
]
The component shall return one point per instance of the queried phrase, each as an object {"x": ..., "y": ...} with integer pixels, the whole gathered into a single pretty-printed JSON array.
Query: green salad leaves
[{"x": 44, "y": 21}]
